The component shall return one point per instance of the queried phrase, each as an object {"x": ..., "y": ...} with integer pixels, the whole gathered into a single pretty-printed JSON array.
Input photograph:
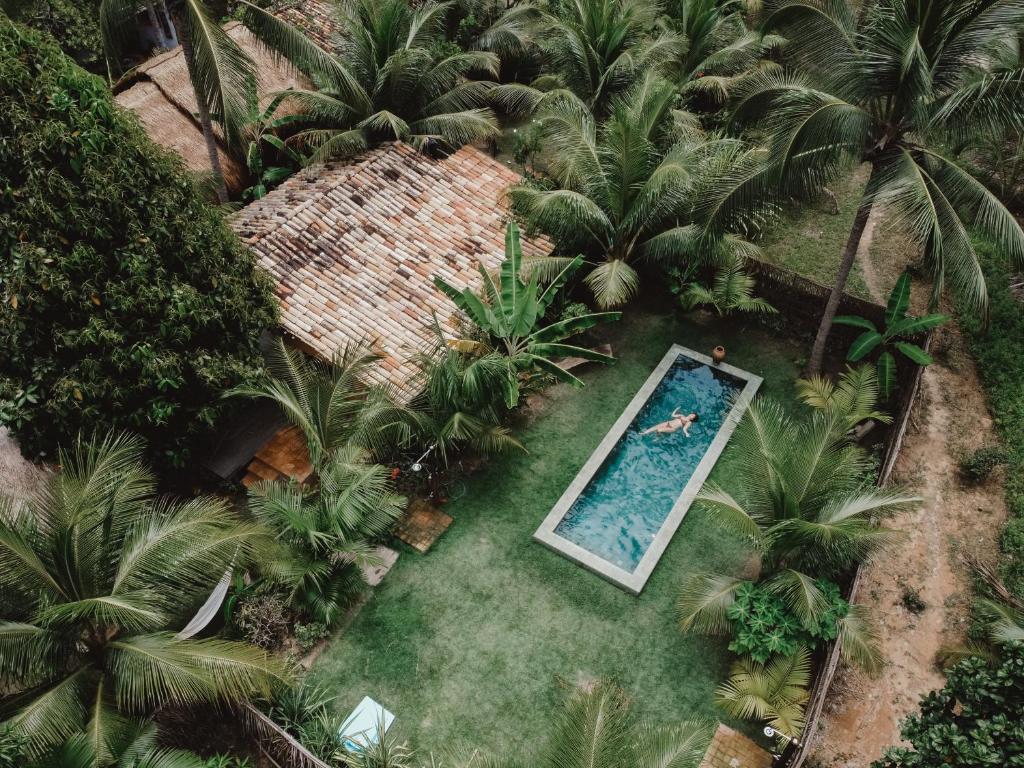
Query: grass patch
[
  {"x": 809, "y": 238},
  {"x": 473, "y": 643}
]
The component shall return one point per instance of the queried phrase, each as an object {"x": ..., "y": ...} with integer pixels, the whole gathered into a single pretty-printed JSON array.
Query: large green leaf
[
  {"x": 911, "y": 325},
  {"x": 854, "y": 321},
  {"x": 914, "y": 352},
  {"x": 899, "y": 300},
  {"x": 863, "y": 345}
]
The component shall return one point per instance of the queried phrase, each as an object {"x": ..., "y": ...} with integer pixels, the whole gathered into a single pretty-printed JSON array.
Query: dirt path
[{"x": 925, "y": 568}]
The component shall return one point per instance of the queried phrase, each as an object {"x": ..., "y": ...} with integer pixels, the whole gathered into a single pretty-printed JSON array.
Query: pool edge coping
[{"x": 635, "y": 581}]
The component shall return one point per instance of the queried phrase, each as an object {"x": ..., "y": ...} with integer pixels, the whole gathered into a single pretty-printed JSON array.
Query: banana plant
[
  {"x": 898, "y": 326},
  {"x": 510, "y": 315},
  {"x": 263, "y": 142}
]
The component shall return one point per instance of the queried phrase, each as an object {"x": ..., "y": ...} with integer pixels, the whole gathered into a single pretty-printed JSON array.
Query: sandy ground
[
  {"x": 18, "y": 477},
  {"x": 951, "y": 418}
]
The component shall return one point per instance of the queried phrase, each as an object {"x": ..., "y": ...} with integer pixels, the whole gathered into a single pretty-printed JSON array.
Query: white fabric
[
  {"x": 362, "y": 728},
  {"x": 208, "y": 609}
]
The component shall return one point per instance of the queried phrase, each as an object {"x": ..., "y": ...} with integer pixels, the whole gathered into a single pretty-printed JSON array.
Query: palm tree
[
  {"x": 731, "y": 290},
  {"x": 774, "y": 692},
  {"x": 717, "y": 44},
  {"x": 592, "y": 49},
  {"x": 851, "y": 398},
  {"x": 133, "y": 745},
  {"x": 325, "y": 532},
  {"x": 646, "y": 185},
  {"x": 510, "y": 317},
  {"x": 457, "y": 407},
  {"x": 334, "y": 404},
  {"x": 595, "y": 729},
  {"x": 888, "y": 86},
  {"x": 801, "y": 504},
  {"x": 95, "y": 572},
  {"x": 389, "y": 81}
]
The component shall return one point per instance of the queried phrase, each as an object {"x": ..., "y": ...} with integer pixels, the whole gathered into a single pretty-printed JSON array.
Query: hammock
[{"x": 208, "y": 609}]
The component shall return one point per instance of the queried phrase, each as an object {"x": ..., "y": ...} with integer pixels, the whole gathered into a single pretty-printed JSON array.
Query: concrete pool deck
[{"x": 634, "y": 581}]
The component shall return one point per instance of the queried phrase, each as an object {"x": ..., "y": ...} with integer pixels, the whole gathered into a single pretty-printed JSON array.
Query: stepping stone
[
  {"x": 422, "y": 525},
  {"x": 374, "y": 574}
]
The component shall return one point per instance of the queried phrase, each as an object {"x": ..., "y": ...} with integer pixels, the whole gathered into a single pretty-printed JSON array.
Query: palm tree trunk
[
  {"x": 849, "y": 254},
  {"x": 205, "y": 122}
]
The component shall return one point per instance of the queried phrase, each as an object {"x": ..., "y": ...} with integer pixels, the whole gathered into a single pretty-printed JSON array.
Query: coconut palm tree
[
  {"x": 888, "y": 86},
  {"x": 95, "y": 574},
  {"x": 592, "y": 49},
  {"x": 595, "y": 729},
  {"x": 325, "y": 531},
  {"x": 731, "y": 290},
  {"x": 389, "y": 80},
  {"x": 646, "y": 185},
  {"x": 133, "y": 745},
  {"x": 334, "y": 404},
  {"x": 801, "y": 505}
]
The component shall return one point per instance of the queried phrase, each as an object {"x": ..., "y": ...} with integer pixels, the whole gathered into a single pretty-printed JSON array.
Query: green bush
[
  {"x": 125, "y": 300},
  {"x": 763, "y": 626},
  {"x": 976, "y": 720},
  {"x": 976, "y": 466},
  {"x": 74, "y": 24},
  {"x": 999, "y": 351},
  {"x": 307, "y": 635},
  {"x": 12, "y": 748}
]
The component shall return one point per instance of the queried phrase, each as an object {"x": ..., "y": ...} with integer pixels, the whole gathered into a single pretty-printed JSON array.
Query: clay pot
[{"x": 718, "y": 354}]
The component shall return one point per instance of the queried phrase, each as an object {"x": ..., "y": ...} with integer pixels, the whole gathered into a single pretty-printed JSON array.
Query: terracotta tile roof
[{"x": 354, "y": 247}]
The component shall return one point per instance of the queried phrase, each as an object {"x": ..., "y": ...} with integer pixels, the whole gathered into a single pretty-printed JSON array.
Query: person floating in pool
[{"x": 677, "y": 422}]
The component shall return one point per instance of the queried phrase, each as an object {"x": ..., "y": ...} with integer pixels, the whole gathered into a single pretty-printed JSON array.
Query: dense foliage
[
  {"x": 126, "y": 300},
  {"x": 97, "y": 574},
  {"x": 999, "y": 350},
  {"x": 74, "y": 24},
  {"x": 976, "y": 720}
]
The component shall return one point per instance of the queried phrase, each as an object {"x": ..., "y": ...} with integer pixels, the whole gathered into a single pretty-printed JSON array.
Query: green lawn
[
  {"x": 474, "y": 643},
  {"x": 809, "y": 239}
]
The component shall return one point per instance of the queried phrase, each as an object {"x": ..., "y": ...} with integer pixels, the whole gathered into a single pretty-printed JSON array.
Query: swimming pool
[{"x": 618, "y": 515}]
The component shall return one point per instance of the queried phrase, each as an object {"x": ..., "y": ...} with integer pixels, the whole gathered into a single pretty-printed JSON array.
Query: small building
[{"x": 354, "y": 246}]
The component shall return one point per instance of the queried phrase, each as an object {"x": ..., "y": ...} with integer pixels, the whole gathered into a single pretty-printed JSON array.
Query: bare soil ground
[{"x": 926, "y": 568}]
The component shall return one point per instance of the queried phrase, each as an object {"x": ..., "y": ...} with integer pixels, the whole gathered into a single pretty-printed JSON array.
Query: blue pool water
[{"x": 626, "y": 501}]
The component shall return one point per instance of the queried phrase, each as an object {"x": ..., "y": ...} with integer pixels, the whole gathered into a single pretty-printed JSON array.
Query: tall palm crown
[
  {"x": 645, "y": 185},
  {"x": 388, "y": 81},
  {"x": 593, "y": 49},
  {"x": 95, "y": 574},
  {"x": 715, "y": 36},
  {"x": 800, "y": 502},
  {"x": 888, "y": 87}
]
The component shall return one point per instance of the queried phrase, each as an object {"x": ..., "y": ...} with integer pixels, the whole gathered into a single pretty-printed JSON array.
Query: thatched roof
[
  {"x": 161, "y": 95},
  {"x": 354, "y": 246}
]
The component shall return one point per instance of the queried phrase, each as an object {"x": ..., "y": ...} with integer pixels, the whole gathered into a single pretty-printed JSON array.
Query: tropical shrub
[
  {"x": 262, "y": 619},
  {"x": 773, "y": 692},
  {"x": 308, "y": 634},
  {"x": 129, "y": 744},
  {"x": 644, "y": 186},
  {"x": 977, "y": 466},
  {"x": 12, "y": 748},
  {"x": 74, "y": 24},
  {"x": 96, "y": 575},
  {"x": 389, "y": 79},
  {"x": 731, "y": 290},
  {"x": 898, "y": 326},
  {"x": 510, "y": 315},
  {"x": 306, "y": 711},
  {"x": 125, "y": 300},
  {"x": 763, "y": 625},
  {"x": 892, "y": 84},
  {"x": 852, "y": 397},
  {"x": 976, "y": 719}
]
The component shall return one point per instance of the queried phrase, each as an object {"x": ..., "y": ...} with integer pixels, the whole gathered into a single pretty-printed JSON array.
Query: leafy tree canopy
[
  {"x": 976, "y": 720},
  {"x": 125, "y": 300}
]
